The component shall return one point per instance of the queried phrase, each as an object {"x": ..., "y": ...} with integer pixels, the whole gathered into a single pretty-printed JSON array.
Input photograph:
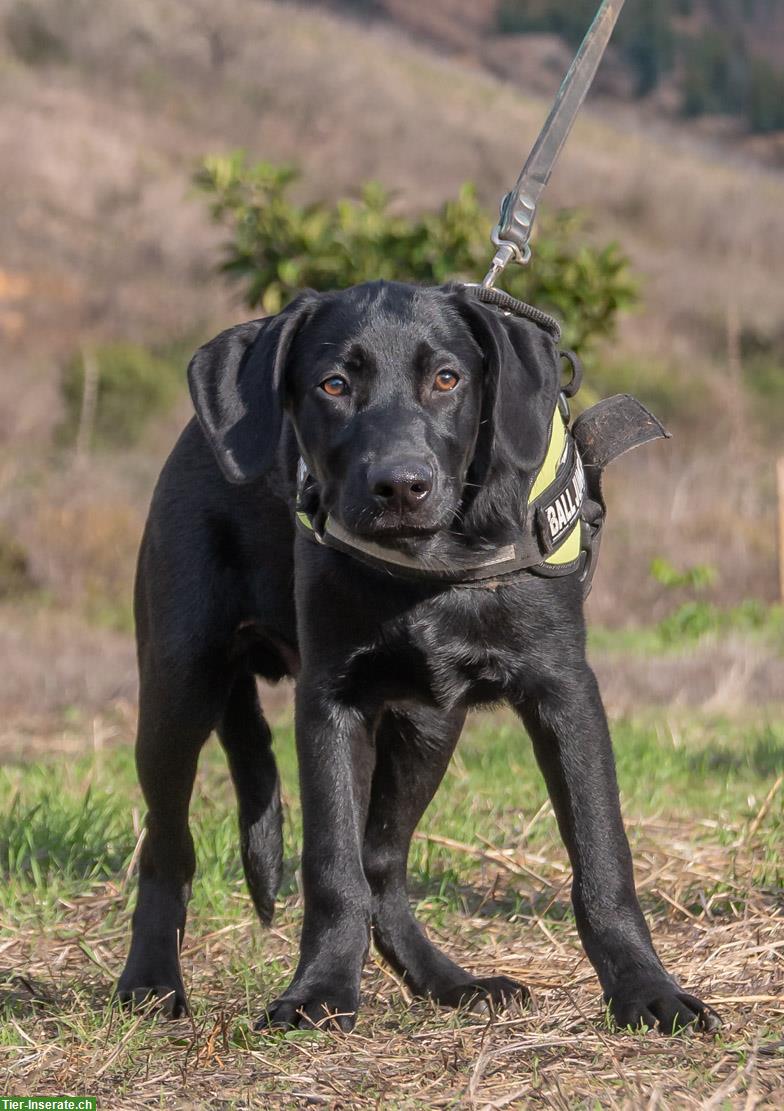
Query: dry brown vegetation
[
  {"x": 557, "y": 1055},
  {"x": 98, "y": 151}
]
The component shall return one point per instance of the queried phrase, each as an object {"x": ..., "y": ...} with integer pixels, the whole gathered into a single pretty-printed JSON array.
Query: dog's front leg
[
  {"x": 336, "y": 762},
  {"x": 567, "y": 724}
]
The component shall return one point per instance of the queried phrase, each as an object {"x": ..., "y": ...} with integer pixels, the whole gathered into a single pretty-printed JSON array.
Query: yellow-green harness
[{"x": 569, "y": 549}]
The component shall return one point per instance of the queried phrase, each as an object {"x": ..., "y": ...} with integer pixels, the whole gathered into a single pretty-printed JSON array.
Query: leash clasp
[{"x": 511, "y": 235}]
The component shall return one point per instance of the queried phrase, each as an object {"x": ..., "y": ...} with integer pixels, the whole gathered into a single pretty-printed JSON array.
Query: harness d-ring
[{"x": 574, "y": 383}]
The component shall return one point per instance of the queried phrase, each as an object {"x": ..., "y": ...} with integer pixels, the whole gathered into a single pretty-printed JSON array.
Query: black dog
[{"x": 422, "y": 416}]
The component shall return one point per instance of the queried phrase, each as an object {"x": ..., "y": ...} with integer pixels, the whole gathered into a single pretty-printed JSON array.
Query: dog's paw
[
  {"x": 164, "y": 992},
  {"x": 311, "y": 1009},
  {"x": 663, "y": 1006},
  {"x": 485, "y": 995}
]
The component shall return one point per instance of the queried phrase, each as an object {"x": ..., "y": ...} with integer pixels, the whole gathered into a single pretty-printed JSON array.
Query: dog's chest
[
  {"x": 463, "y": 646},
  {"x": 476, "y": 641}
]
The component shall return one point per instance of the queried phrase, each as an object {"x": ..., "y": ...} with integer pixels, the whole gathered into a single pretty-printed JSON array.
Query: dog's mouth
[
  {"x": 389, "y": 533},
  {"x": 388, "y": 526},
  {"x": 393, "y": 528}
]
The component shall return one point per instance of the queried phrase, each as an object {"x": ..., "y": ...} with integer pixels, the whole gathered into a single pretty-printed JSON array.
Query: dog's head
[{"x": 413, "y": 408}]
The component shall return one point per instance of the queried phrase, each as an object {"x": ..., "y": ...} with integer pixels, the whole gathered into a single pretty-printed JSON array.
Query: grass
[{"x": 489, "y": 878}]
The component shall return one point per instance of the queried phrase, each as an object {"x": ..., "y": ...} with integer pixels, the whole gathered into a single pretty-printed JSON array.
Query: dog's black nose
[{"x": 401, "y": 485}]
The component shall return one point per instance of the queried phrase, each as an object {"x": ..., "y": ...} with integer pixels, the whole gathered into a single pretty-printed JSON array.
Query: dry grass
[
  {"x": 490, "y": 880},
  {"x": 710, "y": 504},
  {"x": 57, "y": 671},
  {"x": 51, "y": 662},
  {"x": 560, "y": 1054}
]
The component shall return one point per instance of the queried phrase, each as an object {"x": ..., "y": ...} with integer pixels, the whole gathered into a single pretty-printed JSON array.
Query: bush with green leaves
[
  {"x": 696, "y": 619},
  {"x": 698, "y": 577},
  {"x": 278, "y": 247},
  {"x": 32, "y": 32},
  {"x": 721, "y": 74},
  {"x": 133, "y": 385}
]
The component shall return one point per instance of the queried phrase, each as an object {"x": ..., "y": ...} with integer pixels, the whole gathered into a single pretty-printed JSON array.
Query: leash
[{"x": 512, "y": 233}]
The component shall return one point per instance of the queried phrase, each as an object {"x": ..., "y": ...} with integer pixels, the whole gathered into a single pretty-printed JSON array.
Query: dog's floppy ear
[
  {"x": 522, "y": 380},
  {"x": 236, "y": 382}
]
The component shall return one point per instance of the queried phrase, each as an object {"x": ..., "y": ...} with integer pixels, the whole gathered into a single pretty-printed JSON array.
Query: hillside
[
  {"x": 109, "y": 278},
  {"x": 100, "y": 136},
  {"x": 681, "y": 58}
]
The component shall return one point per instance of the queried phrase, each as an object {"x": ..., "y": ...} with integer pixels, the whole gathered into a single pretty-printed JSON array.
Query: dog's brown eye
[
  {"x": 335, "y": 386},
  {"x": 445, "y": 380}
]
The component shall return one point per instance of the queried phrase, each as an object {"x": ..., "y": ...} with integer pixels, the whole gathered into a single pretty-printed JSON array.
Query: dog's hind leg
[
  {"x": 247, "y": 740},
  {"x": 413, "y": 749},
  {"x": 178, "y": 709}
]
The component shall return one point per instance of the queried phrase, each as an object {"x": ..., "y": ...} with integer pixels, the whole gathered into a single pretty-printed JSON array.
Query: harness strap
[{"x": 506, "y": 303}]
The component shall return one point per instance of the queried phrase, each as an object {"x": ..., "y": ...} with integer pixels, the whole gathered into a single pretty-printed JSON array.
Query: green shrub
[
  {"x": 645, "y": 36},
  {"x": 278, "y": 247},
  {"x": 764, "y": 99},
  {"x": 707, "y": 74},
  {"x": 694, "y": 620},
  {"x": 764, "y": 376},
  {"x": 568, "y": 18},
  {"x": 133, "y": 385},
  {"x": 721, "y": 74},
  {"x": 698, "y": 577},
  {"x": 717, "y": 67}
]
